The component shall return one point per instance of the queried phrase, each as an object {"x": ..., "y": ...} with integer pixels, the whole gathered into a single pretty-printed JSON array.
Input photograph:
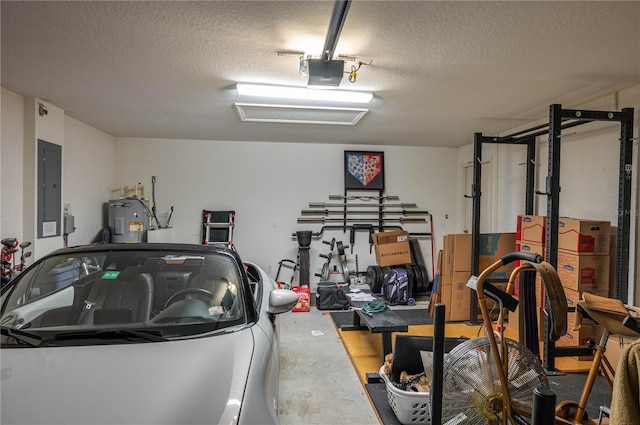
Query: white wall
[
  {"x": 588, "y": 173},
  {"x": 48, "y": 127},
  {"x": 89, "y": 176},
  {"x": 11, "y": 191},
  {"x": 268, "y": 184},
  {"x": 88, "y": 160}
]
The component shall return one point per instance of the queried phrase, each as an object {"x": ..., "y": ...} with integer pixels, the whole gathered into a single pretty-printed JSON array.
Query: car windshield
[{"x": 85, "y": 295}]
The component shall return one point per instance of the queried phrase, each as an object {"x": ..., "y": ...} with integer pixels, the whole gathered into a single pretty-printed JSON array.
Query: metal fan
[{"x": 472, "y": 392}]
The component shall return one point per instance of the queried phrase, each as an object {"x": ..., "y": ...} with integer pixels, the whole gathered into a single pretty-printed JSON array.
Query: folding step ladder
[{"x": 217, "y": 226}]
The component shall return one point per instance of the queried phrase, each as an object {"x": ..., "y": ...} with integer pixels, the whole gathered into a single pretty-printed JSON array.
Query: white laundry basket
[{"x": 410, "y": 407}]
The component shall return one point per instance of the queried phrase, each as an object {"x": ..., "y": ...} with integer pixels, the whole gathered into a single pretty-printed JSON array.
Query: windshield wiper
[
  {"x": 118, "y": 333},
  {"x": 23, "y": 337}
]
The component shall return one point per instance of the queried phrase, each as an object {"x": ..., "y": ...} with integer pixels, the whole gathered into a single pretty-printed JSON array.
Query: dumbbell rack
[{"x": 324, "y": 275}]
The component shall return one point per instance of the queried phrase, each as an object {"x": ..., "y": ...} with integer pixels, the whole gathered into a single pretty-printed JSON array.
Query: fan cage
[{"x": 471, "y": 381}]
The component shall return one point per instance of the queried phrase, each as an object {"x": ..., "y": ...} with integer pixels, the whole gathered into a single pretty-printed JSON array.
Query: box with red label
[
  {"x": 574, "y": 338},
  {"x": 531, "y": 228},
  {"x": 304, "y": 298},
  {"x": 583, "y": 237},
  {"x": 583, "y": 272}
]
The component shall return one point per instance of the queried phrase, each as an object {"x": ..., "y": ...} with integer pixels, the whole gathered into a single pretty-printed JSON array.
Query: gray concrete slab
[{"x": 318, "y": 384}]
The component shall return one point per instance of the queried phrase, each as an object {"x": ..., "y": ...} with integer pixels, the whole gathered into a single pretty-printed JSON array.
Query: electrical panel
[{"x": 49, "y": 208}]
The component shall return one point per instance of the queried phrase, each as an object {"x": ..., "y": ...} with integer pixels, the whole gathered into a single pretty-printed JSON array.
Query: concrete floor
[{"x": 318, "y": 383}]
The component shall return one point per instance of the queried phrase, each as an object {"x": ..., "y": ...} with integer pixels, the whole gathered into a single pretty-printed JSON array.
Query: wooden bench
[{"x": 383, "y": 323}]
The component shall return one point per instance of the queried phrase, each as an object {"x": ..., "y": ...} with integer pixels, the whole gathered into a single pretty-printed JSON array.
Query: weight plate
[
  {"x": 370, "y": 276},
  {"x": 413, "y": 274},
  {"x": 325, "y": 272},
  {"x": 374, "y": 277},
  {"x": 340, "y": 248},
  {"x": 345, "y": 274},
  {"x": 420, "y": 287},
  {"x": 425, "y": 279},
  {"x": 421, "y": 278}
]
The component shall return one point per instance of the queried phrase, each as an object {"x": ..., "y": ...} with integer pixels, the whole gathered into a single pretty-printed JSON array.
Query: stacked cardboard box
[
  {"x": 583, "y": 263},
  {"x": 530, "y": 237},
  {"x": 456, "y": 263},
  {"x": 583, "y": 266},
  {"x": 456, "y": 271}
]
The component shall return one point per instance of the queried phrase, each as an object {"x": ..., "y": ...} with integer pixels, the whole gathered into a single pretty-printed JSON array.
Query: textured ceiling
[{"x": 440, "y": 71}]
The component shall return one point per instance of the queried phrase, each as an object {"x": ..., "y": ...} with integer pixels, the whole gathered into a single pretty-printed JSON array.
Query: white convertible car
[{"x": 141, "y": 334}]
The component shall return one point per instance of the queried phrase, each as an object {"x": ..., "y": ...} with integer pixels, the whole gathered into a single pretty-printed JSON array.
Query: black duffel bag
[{"x": 331, "y": 296}]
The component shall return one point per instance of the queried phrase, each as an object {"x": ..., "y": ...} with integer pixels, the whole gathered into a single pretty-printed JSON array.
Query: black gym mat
[
  {"x": 566, "y": 387},
  {"x": 378, "y": 396},
  {"x": 417, "y": 316}
]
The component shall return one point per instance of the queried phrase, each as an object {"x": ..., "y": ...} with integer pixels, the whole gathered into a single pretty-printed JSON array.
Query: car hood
[{"x": 195, "y": 381}]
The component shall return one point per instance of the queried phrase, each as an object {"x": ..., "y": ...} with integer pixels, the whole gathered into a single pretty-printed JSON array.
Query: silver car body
[{"x": 221, "y": 376}]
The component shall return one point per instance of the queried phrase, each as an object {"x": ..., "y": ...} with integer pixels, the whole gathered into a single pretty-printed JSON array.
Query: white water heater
[{"x": 128, "y": 220}]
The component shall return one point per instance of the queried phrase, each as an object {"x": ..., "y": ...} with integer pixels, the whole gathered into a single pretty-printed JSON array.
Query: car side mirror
[{"x": 282, "y": 300}]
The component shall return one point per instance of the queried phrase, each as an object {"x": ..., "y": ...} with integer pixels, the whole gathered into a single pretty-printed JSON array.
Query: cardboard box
[
  {"x": 534, "y": 248},
  {"x": 304, "y": 298},
  {"x": 615, "y": 346},
  {"x": 531, "y": 228},
  {"x": 591, "y": 332},
  {"x": 576, "y": 338},
  {"x": 574, "y": 320},
  {"x": 574, "y": 296},
  {"x": 583, "y": 237},
  {"x": 456, "y": 297},
  {"x": 583, "y": 272},
  {"x": 392, "y": 248},
  {"x": 456, "y": 255},
  {"x": 492, "y": 247},
  {"x": 513, "y": 320}
]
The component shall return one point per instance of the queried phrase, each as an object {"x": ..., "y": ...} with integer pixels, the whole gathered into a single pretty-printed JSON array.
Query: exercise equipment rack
[
  {"x": 559, "y": 119},
  {"x": 386, "y": 212}
]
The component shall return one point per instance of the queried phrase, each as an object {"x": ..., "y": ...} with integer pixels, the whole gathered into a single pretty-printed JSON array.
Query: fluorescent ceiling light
[
  {"x": 296, "y": 114},
  {"x": 288, "y": 92}
]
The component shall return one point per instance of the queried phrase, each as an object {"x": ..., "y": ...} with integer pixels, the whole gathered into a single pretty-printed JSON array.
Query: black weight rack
[{"x": 561, "y": 119}]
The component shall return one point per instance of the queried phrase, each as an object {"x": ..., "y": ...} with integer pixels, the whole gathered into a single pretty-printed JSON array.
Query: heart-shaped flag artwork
[{"x": 364, "y": 167}]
